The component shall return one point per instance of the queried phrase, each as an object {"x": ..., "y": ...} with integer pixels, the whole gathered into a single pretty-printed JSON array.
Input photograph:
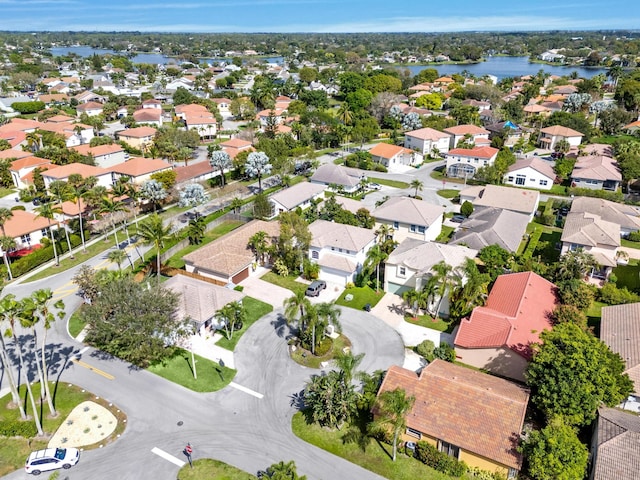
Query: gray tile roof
[
  {"x": 492, "y": 226},
  {"x": 330, "y": 173},
  {"x": 421, "y": 256},
  {"x": 626, "y": 216},
  {"x": 617, "y": 446},
  {"x": 293, "y": 196},
  {"x": 537, "y": 164},
  {"x": 620, "y": 330},
  {"x": 590, "y": 230},
  {"x": 330, "y": 234},
  {"x": 408, "y": 210},
  {"x": 515, "y": 199}
]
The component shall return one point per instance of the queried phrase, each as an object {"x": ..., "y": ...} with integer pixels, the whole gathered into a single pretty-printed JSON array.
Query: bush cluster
[
  {"x": 612, "y": 295},
  {"x": 363, "y": 161},
  {"x": 587, "y": 192},
  {"x": 534, "y": 238},
  {"x": 430, "y": 455},
  {"x": 42, "y": 255},
  {"x": 634, "y": 237},
  {"x": 16, "y": 428}
]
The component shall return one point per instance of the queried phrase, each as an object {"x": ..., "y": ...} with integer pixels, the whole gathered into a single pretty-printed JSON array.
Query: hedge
[
  {"x": 42, "y": 255},
  {"x": 587, "y": 192},
  {"x": 431, "y": 456},
  {"x": 534, "y": 238},
  {"x": 17, "y": 428},
  {"x": 28, "y": 107}
]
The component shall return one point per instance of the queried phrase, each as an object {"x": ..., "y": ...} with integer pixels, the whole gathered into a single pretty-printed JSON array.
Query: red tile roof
[
  {"x": 137, "y": 132},
  {"x": 23, "y": 222},
  {"x": 26, "y": 162},
  {"x": 85, "y": 170},
  {"x": 386, "y": 150},
  {"x": 192, "y": 171},
  {"x": 517, "y": 310},
  {"x": 138, "y": 166},
  {"x": 479, "y": 152}
]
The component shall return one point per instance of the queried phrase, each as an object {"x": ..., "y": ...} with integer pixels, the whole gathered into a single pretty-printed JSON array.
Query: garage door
[
  {"x": 238, "y": 277},
  {"x": 397, "y": 288},
  {"x": 333, "y": 276}
]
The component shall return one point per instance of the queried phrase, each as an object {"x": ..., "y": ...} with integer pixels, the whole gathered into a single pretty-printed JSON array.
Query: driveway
[{"x": 265, "y": 291}]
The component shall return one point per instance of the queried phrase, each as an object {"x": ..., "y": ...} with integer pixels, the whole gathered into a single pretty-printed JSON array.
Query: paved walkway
[
  {"x": 205, "y": 346},
  {"x": 265, "y": 291}
]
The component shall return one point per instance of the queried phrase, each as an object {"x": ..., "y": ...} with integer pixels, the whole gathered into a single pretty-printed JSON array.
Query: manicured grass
[
  {"x": 558, "y": 189},
  {"x": 629, "y": 244},
  {"x": 550, "y": 236},
  {"x": 428, "y": 321},
  {"x": 594, "y": 315},
  {"x": 445, "y": 234},
  {"x": 255, "y": 310},
  {"x": 179, "y": 369},
  {"x": 209, "y": 469},
  {"x": 307, "y": 359},
  {"x": 289, "y": 282},
  {"x": 389, "y": 183},
  {"x": 628, "y": 276},
  {"x": 176, "y": 260},
  {"x": 6, "y": 191},
  {"x": 76, "y": 324},
  {"x": 448, "y": 193},
  {"x": 361, "y": 296},
  {"x": 14, "y": 450},
  {"x": 374, "y": 456}
]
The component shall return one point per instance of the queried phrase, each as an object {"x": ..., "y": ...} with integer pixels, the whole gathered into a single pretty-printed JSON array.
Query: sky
[{"x": 317, "y": 15}]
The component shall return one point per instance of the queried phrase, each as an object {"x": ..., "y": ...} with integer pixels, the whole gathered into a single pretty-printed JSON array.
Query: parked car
[
  {"x": 458, "y": 218},
  {"x": 315, "y": 288},
  {"x": 51, "y": 459},
  {"x": 374, "y": 186},
  {"x": 302, "y": 167}
]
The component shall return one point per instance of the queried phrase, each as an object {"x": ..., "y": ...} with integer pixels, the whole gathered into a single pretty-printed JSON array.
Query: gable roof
[
  {"x": 477, "y": 412},
  {"x": 421, "y": 256},
  {"x": 348, "y": 237},
  {"x": 147, "y": 115},
  {"x": 535, "y": 163},
  {"x": 617, "y": 440},
  {"x": 330, "y": 173},
  {"x": 596, "y": 167},
  {"x": 193, "y": 170},
  {"x": 620, "y": 330},
  {"x": 23, "y": 222},
  {"x": 583, "y": 228},
  {"x": 514, "y": 199},
  {"x": 386, "y": 150},
  {"x": 98, "y": 150},
  {"x": 17, "y": 154},
  {"x": 236, "y": 143},
  {"x": 559, "y": 130},
  {"x": 29, "y": 161},
  {"x": 476, "y": 152},
  {"x": 408, "y": 210},
  {"x": 517, "y": 310},
  {"x": 137, "y": 166},
  {"x": 63, "y": 171},
  {"x": 492, "y": 226},
  {"x": 137, "y": 132},
  {"x": 299, "y": 193},
  {"x": 428, "y": 134},
  {"x": 624, "y": 215},
  {"x": 461, "y": 130}
]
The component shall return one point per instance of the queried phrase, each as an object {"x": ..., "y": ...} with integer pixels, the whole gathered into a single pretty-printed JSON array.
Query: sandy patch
[{"x": 87, "y": 423}]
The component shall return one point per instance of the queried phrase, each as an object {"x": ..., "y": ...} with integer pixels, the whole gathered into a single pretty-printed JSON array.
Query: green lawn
[
  {"x": 289, "y": 282},
  {"x": 361, "y": 296},
  {"x": 628, "y": 276},
  {"x": 179, "y": 369},
  {"x": 375, "y": 456},
  {"x": 428, "y": 321},
  {"x": 209, "y": 469},
  {"x": 550, "y": 237},
  {"x": 307, "y": 359},
  {"x": 255, "y": 310},
  {"x": 448, "y": 192},
  {"x": 445, "y": 234},
  {"x": 6, "y": 191},
  {"x": 629, "y": 244},
  {"x": 389, "y": 183},
  {"x": 76, "y": 324},
  {"x": 14, "y": 450},
  {"x": 594, "y": 315}
]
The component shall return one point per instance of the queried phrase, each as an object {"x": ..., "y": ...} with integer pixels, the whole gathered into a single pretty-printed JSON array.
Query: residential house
[
  {"x": 508, "y": 198},
  {"x": 535, "y": 109},
  {"x": 195, "y": 172},
  {"x": 229, "y": 258},
  {"x": 530, "y": 172},
  {"x": 139, "y": 137},
  {"x": 492, "y": 226},
  {"x": 620, "y": 330},
  {"x": 427, "y": 141},
  {"x": 270, "y": 118},
  {"x": 477, "y": 135},
  {"x": 632, "y": 127},
  {"x": 410, "y": 218},
  {"x": 614, "y": 446},
  {"x": 500, "y": 335},
  {"x": 180, "y": 82},
  {"x": 152, "y": 103},
  {"x": 199, "y": 301},
  {"x": 550, "y": 136},
  {"x": 224, "y": 106},
  {"x": 590, "y": 233},
  {"x": 340, "y": 250},
  {"x": 91, "y": 109},
  {"x": 469, "y": 415},
  {"x": 298, "y": 196},
  {"x": 74, "y": 133},
  {"x": 480, "y": 105},
  {"x": 339, "y": 177},
  {"x": 197, "y": 117},
  {"x": 409, "y": 265},
  {"x": 234, "y": 146},
  {"x": 20, "y": 167},
  {"x": 394, "y": 157},
  {"x": 149, "y": 116},
  {"x": 104, "y": 155},
  {"x": 465, "y": 162},
  {"x": 627, "y": 216},
  {"x": 596, "y": 172},
  {"x": 89, "y": 96},
  {"x": 27, "y": 229},
  {"x": 509, "y": 131},
  {"x": 139, "y": 169},
  {"x": 62, "y": 173}
]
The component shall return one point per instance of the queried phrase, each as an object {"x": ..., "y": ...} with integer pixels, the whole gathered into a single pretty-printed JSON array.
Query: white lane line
[
  {"x": 167, "y": 456},
  {"x": 246, "y": 390},
  {"x": 82, "y": 351}
]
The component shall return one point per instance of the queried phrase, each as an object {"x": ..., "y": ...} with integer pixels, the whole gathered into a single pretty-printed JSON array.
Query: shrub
[
  {"x": 18, "y": 207},
  {"x": 445, "y": 352},
  {"x": 310, "y": 270},
  {"x": 587, "y": 192},
  {"x": 612, "y": 295},
  {"x": 634, "y": 236},
  {"x": 380, "y": 168},
  {"x": 16, "y": 428},
  {"x": 475, "y": 472},
  {"x": 534, "y": 237},
  {"x": 41, "y": 256},
  {"x": 324, "y": 346},
  {"x": 425, "y": 349},
  {"x": 27, "y": 107},
  {"x": 466, "y": 208},
  {"x": 429, "y": 455}
]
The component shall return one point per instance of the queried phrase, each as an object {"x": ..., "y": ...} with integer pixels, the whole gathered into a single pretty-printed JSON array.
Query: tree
[
  {"x": 78, "y": 187},
  {"x": 555, "y": 452},
  {"x": 466, "y": 208},
  {"x": 330, "y": 400},
  {"x": 295, "y": 308},
  {"x": 294, "y": 240},
  {"x": 167, "y": 178},
  {"x": 117, "y": 256},
  {"x": 132, "y": 321},
  {"x": 262, "y": 208},
  {"x": 111, "y": 206},
  {"x": 375, "y": 256},
  {"x": 569, "y": 314},
  {"x": 442, "y": 282},
  {"x": 196, "y": 230},
  {"x": 236, "y": 204},
  {"x": 347, "y": 364},
  {"x": 232, "y": 316},
  {"x": 391, "y": 411},
  {"x": 258, "y": 165},
  {"x": 572, "y": 373},
  {"x": 152, "y": 231},
  {"x": 242, "y": 108},
  {"x": 495, "y": 260},
  {"x": 259, "y": 244},
  {"x": 219, "y": 160},
  {"x": 153, "y": 191},
  {"x": 8, "y": 367},
  {"x": 471, "y": 292},
  {"x": 283, "y": 471},
  {"x": 61, "y": 192},
  {"x": 576, "y": 292},
  {"x": 48, "y": 211},
  {"x": 182, "y": 96},
  {"x": 574, "y": 264},
  {"x": 193, "y": 195},
  {"x": 5, "y": 215},
  {"x": 417, "y": 185}
]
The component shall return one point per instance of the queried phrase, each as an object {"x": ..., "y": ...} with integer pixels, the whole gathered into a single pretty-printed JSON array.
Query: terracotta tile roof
[
  {"x": 70, "y": 208},
  {"x": 386, "y": 150},
  {"x": 427, "y": 134},
  {"x": 466, "y": 129},
  {"x": 235, "y": 143},
  {"x": 476, "y": 152},
  {"x": 620, "y": 330},
  {"x": 98, "y": 150},
  {"x": 137, "y": 166},
  {"x": 191, "y": 108},
  {"x": 408, "y": 210},
  {"x": 348, "y": 237},
  {"x": 194, "y": 170},
  {"x": 635, "y": 124},
  {"x": 477, "y": 412},
  {"x": 138, "y": 132},
  {"x": 20, "y": 125},
  {"x": 17, "y": 154},
  {"x": 23, "y": 222},
  {"x": 535, "y": 108},
  {"x": 558, "y": 130},
  {"x": 230, "y": 254},
  {"x": 64, "y": 171},
  {"x": 90, "y": 106},
  {"x": 26, "y": 162},
  {"x": 147, "y": 115},
  {"x": 28, "y": 177},
  {"x": 14, "y": 138},
  {"x": 617, "y": 443},
  {"x": 518, "y": 309},
  {"x": 60, "y": 119}
]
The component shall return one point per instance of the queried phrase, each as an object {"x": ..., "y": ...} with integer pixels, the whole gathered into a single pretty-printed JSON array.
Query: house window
[
  {"x": 413, "y": 433},
  {"x": 43, "y": 232},
  {"x": 412, "y": 229},
  {"x": 422, "y": 229},
  {"x": 574, "y": 246},
  {"x": 315, "y": 254},
  {"x": 510, "y": 179},
  {"x": 333, "y": 248},
  {"x": 543, "y": 182},
  {"x": 513, "y": 473},
  {"x": 26, "y": 238},
  {"x": 396, "y": 225},
  {"x": 520, "y": 179},
  {"x": 402, "y": 272},
  {"x": 449, "y": 449}
]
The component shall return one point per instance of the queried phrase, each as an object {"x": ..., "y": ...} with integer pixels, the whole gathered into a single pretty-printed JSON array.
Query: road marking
[
  {"x": 167, "y": 456},
  {"x": 106, "y": 375},
  {"x": 245, "y": 390},
  {"x": 82, "y": 351}
]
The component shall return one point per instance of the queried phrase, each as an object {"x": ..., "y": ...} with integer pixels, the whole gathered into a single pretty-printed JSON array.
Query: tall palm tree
[
  {"x": 48, "y": 211},
  {"x": 258, "y": 243},
  {"x": 444, "y": 279},
  {"x": 411, "y": 297},
  {"x": 12, "y": 311},
  {"x": 347, "y": 363},
  {"x": 392, "y": 408},
  {"x": 375, "y": 256},
  {"x": 152, "y": 231},
  {"x": 78, "y": 188},
  {"x": 345, "y": 114},
  {"x": 133, "y": 192},
  {"x": 417, "y": 185},
  {"x": 384, "y": 232},
  {"x": 8, "y": 368},
  {"x": 117, "y": 256},
  {"x": 470, "y": 293},
  {"x": 296, "y": 306},
  {"x": 60, "y": 191},
  {"x": 5, "y": 215},
  {"x": 111, "y": 206}
]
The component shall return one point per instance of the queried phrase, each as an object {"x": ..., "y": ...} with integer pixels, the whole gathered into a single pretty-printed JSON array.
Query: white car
[
  {"x": 51, "y": 459},
  {"x": 374, "y": 186}
]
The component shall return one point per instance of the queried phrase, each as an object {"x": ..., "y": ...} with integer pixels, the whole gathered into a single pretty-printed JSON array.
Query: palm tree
[
  {"x": 12, "y": 311},
  {"x": 472, "y": 292},
  {"x": 60, "y": 191},
  {"x": 117, "y": 256},
  {"x": 347, "y": 363},
  {"x": 258, "y": 243},
  {"x": 5, "y": 215},
  {"x": 575, "y": 264},
  {"x": 7, "y": 367},
  {"x": 232, "y": 316},
  {"x": 236, "y": 204},
  {"x": 153, "y": 232},
  {"x": 345, "y": 114},
  {"x": 392, "y": 408},
  {"x": 615, "y": 72},
  {"x": 375, "y": 256},
  {"x": 444, "y": 279},
  {"x": 384, "y": 233},
  {"x": 48, "y": 211},
  {"x": 417, "y": 185},
  {"x": 7, "y": 244},
  {"x": 111, "y": 207},
  {"x": 134, "y": 194},
  {"x": 297, "y": 304},
  {"x": 34, "y": 141},
  {"x": 78, "y": 187},
  {"x": 411, "y": 297}
]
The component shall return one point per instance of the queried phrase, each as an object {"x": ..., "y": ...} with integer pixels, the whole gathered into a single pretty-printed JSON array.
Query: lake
[{"x": 503, "y": 67}]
